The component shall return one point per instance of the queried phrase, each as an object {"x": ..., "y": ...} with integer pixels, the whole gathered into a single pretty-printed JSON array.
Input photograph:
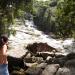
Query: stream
[{"x": 28, "y": 34}]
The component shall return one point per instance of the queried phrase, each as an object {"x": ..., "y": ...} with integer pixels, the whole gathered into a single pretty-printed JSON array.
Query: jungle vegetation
[{"x": 50, "y": 16}]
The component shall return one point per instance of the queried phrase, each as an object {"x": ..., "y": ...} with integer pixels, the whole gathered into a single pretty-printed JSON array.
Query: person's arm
[{"x": 4, "y": 50}]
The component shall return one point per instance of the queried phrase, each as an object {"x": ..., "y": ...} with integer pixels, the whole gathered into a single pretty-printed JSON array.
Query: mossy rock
[{"x": 20, "y": 72}]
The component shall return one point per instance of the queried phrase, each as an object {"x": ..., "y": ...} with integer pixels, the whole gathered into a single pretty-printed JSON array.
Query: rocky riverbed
[
  {"x": 34, "y": 53},
  {"x": 50, "y": 62}
]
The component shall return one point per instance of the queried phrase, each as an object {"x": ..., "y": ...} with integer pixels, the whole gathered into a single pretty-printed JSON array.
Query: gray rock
[
  {"x": 31, "y": 64},
  {"x": 37, "y": 59},
  {"x": 20, "y": 72},
  {"x": 28, "y": 60},
  {"x": 42, "y": 65},
  {"x": 33, "y": 71},
  {"x": 70, "y": 63},
  {"x": 48, "y": 58},
  {"x": 15, "y": 63},
  {"x": 33, "y": 59},
  {"x": 63, "y": 71},
  {"x": 50, "y": 69},
  {"x": 66, "y": 71}
]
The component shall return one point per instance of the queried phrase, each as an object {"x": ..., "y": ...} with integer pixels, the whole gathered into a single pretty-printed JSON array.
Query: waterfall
[{"x": 28, "y": 33}]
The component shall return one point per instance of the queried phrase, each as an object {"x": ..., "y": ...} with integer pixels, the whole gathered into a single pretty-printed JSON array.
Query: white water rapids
[{"x": 28, "y": 33}]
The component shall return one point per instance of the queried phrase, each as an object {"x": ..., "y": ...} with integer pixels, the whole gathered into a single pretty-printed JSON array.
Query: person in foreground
[{"x": 3, "y": 55}]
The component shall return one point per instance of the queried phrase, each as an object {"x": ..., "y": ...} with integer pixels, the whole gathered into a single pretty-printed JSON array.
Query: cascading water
[{"x": 28, "y": 33}]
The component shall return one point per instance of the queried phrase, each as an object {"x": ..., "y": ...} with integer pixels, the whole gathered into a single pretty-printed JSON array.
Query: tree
[
  {"x": 9, "y": 10},
  {"x": 65, "y": 18},
  {"x": 56, "y": 16}
]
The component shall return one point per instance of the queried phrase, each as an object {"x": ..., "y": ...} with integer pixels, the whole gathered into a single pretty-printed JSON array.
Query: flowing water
[{"x": 28, "y": 33}]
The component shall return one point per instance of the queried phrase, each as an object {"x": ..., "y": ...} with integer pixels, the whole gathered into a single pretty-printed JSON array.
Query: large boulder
[
  {"x": 40, "y": 47},
  {"x": 70, "y": 63},
  {"x": 69, "y": 70},
  {"x": 15, "y": 63},
  {"x": 50, "y": 69},
  {"x": 20, "y": 72},
  {"x": 70, "y": 56},
  {"x": 33, "y": 59},
  {"x": 69, "y": 66},
  {"x": 42, "y": 65},
  {"x": 63, "y": 71},
  {"x": 33, "y": 71},
  {"x": 69, "y": 60},
  {"x": 61, "y": 61}
]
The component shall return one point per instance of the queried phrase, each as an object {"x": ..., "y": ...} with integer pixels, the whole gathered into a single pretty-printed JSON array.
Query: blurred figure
[{"x": 3, "y": 55}]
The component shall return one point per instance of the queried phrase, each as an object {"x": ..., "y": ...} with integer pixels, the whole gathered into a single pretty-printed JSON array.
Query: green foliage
[
  {"x": 42, "y": 15},
  {"x": 57, "y": 17},
  {"x": 11, "y": 9},
  {"x": 65, "y": 18}
]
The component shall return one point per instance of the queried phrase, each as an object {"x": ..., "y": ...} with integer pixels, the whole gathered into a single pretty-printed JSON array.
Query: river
[{"x": 28, "y": 33}]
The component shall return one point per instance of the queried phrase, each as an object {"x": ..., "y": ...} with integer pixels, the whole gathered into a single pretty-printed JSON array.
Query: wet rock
[
  {"x": 51, "y": 54},
  {"x": 15, "y": 63},
  {"x": 40, "y": 47},
  {"x": 42, "y": 65},
  {"x": 70, "y": 56},
  {"x": 70, "y": 60},
  {"x": 50, "y": 69},
  {"x": 33, "y": 71},
  {"x": 48, "y": 58},
  {"x": 66, "y": 71},
  {"x": 37, "y": 59},
  {"x": 69, "y": 66},
  {"x": 63, "y": 71},
  {"x": 44, "y": 55},
  {"x": 33, "y": 59},
  {"x": 28, "y": 60},
  {"x": 31, "y": 64},
  {"x": 60, "y": 59},
  {"x": 70, "y": 63},
  {"x": 20, "y": 72},
  {"x": 28, "y": 55}
]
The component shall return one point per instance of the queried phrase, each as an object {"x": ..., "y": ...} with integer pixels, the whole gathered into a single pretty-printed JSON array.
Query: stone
[
  {"x": 33, "y": 71},
  {"x": 15, "y": 72},
  {"x": 50, "y": 69},
  {"x": 70, "y": 56},
  {"x": 40, "y": 47},
  {"x": 61, "y": 61},
  {"x": 15, "y": 63},
  {"x": 37, "y": 59},
  {"x": 66, "y": 71},
  {"x": 70, "y": 63},
  {"x": 31, "y": 64},
  {"x": 48, "y": 58},
  {"x": 42, "y": 65},
  {"x": 50, "y": 54},
  {"x": 63, "y": 71},
  {"x": 33, "y": 59}
]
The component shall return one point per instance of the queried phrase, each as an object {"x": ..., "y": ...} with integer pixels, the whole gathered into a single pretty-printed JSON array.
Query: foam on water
[{"x": 28, "y": 33}]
